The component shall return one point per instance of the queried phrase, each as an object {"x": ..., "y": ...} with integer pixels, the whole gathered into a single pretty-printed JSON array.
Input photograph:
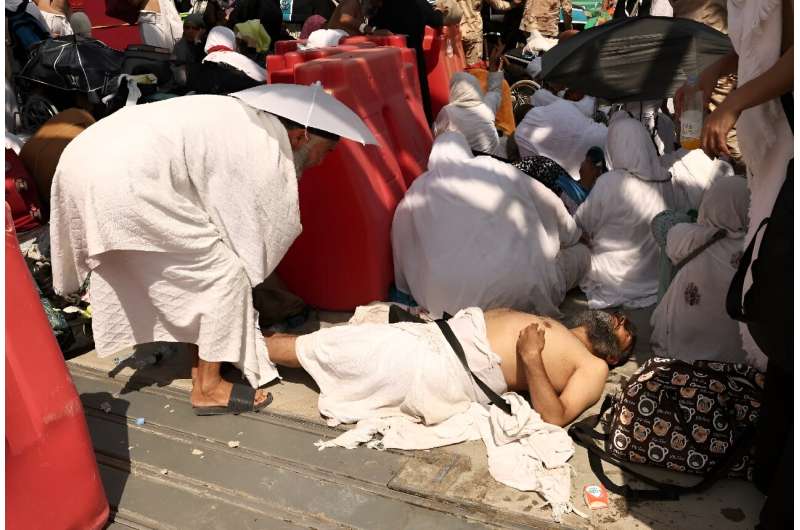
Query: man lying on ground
[{"x": 369, "y": 370}]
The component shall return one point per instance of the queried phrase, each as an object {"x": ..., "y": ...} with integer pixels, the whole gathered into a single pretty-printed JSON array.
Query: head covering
[
  {"x": 310, "y": 106},
  {"x": 254, "y": 35},
  {"x": 312, "y": 23},
  {"x": 631, "y": 149},
  {"x": 220, "y": 38},
  {"x": 465, "y": 90},
  {"x": 450, "y": 147},
  {"x": 81, "y": 25},
  {"x": 597, "y": 158},
  {"x": 195, "y": 19},
  {"x": 725, "y": 205}
]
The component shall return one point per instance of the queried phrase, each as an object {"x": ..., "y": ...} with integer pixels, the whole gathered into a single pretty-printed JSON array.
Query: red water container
[
  {"x": 52, "y": 479},
  {"x": 113, "y": 32},
  {"x": 444, "y": 56},
  {"x": 343, "y": 258}
]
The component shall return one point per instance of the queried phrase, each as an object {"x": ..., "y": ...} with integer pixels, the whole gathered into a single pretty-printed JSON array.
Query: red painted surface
[
  {"x": 52, "y": 479},
  {"x": 444, "y": 56},
  {"x": 114, "y": 32},
  {"x": 343, "y": 258}
]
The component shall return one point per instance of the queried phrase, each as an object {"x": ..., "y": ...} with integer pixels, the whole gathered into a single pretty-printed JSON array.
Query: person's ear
[{"x": 297, "y": 138}]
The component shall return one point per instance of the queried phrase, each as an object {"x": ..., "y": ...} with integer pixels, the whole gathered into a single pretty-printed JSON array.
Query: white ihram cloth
[
  {"x": 222, "y": 36},
  {"x": 57, "y": 23},
  {"x": 562, "y": 132},
  {"x": 616, "y": 218},
  {"x": 693, "y": 173},
  {"x": 474, "y": 231},
  {"x": 323, "y": 38},
  {"x": 765, "y": 139},
  {"x": 691, "y": 322},
  {"x": 472, "y": 113},
  {"x": 406, "y": 389},
  {"x": 205, "y": 181},
  {"x": 544, "y": 97},
  {"x": 162, "y": 29}
]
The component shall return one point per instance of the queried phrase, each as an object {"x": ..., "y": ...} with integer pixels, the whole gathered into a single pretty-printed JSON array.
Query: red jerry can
[{"x": 52, "y": 478}]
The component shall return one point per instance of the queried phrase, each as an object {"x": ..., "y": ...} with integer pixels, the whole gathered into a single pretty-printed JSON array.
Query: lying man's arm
[{"x": 584, "y": 388}]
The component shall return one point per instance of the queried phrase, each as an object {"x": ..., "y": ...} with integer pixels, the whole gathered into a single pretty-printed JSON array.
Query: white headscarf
[
  {"x": 725, "y": 206},
  {"x": 693, "y": 173},
  {"x": 220, "y": 36},
  {"x": 630, "y": 148},
  {"x": 465, "y": 90}
]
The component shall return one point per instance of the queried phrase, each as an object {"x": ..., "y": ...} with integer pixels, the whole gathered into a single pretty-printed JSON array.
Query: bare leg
[
  {"x": 282, "y": 350},
  {"x": 210, "y": 390}
]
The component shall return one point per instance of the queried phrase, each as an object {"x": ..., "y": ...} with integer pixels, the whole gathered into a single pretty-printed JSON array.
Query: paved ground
[{"x": 179, "y": 471}]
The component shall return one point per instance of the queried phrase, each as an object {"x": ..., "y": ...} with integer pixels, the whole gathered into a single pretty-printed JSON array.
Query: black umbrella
[
  {"x": 634, "y": 59},
  {"x": 72, "y": 63}
]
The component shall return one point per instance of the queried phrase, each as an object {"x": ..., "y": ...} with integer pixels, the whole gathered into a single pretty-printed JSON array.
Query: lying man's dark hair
[
  {"x": 599, "y": 326},
  {"x": 289, "y": 124}
]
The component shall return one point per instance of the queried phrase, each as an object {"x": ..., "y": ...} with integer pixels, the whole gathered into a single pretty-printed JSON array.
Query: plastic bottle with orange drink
[{"x": 692, "y": 115}]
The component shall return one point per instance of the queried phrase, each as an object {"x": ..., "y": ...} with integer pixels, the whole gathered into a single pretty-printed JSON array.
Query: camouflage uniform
[
  {"x": 472, "y": 26},
  {"x": 713, "y": 13},
  {"x": 543, "y": 15}
]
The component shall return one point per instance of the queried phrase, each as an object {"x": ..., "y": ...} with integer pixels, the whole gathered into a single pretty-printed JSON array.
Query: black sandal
[{"x": 241, "y": 400}]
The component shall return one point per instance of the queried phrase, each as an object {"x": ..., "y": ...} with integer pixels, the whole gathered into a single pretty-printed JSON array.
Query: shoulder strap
[
  {"x": 719, "y": 234},
  {"x": 496, "y": 400},
  {"x": 584, "y": 434},
  {"x": 733, "y": 301}
]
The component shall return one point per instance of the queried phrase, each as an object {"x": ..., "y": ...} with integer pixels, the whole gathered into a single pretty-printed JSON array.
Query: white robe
[
  {"x": 691, "y": 322},
  {"x": 693, "y": 173},
  {"x": 562, "y": 132},
  {"x": 57, "y": 23},
  {"x": 474, "y": 231},
  {"x": 616, "y": 218},
  {"x": 544, "y": 97},
  {"x": 765, "y": 139},
  {"x": 472, "y": 113},
  {"x": 163, "y": 29},
  {"x": 184, "y": 176}
]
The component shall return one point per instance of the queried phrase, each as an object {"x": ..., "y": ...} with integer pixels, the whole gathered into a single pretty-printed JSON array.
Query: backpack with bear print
[{"x": 691, "y": 418}]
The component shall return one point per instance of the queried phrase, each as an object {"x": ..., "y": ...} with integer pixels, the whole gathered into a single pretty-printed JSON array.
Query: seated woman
[
  {"x": 224, "y": 70},
  {"x": 473, "y": 113},
  {"x": 691, "y": 323}
]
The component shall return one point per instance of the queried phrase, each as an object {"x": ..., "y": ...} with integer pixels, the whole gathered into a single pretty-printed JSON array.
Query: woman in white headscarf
[
  {"x": 691, "y": 323},
  {"x": 221, "y": 48},
  {"x": 616, "y": 217},
  {"x": 472, "y": 113}
]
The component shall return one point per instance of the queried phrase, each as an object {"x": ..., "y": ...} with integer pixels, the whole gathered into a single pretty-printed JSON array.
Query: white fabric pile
[
  {"x": 691, "y": 322},
  {"x": 171, "y": 190},
  {"x": 323, "y": 38},
  {"x": 693, "y": 173},
  {"x": 474, "y": 231},
  {"x": 538, "y": 43},
  {"x": 562, "y": 132},
  {"x": 543, "y": 97},
  {"x": 616, "y": 218},
  {"x": 472, "y": 113}
]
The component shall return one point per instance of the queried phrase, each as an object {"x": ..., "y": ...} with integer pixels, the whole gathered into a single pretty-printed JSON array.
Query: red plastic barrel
[
  {"x": 113, "y": 32},
  {"x": 52, "y": 479},
  {"x": 444, "y": 56},
  {"x": 343, "y": 258}
]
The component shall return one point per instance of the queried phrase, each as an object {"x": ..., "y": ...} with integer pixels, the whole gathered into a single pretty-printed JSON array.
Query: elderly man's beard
[{"x": 301, "y": 159}]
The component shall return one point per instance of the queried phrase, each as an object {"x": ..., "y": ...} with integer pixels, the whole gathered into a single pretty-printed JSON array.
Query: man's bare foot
[{"x": 218, "y": 394}]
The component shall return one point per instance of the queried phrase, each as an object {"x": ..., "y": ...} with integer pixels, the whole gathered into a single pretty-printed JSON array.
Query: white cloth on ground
[
  {"x": 544, "y": 97},
  {"x": 693, "y": 173},
  {"x": 538, "y": 43},
  {"x": 405, "y": 388},
  {"x": 691, "y": 322},
  {"x": 616, "y": 218},
  {"x": 765, "y": 139},
  {"x": 163, "y": 29},
  {"x": 222, "y": 36},
  {"x": 562, "y": 132},
  {"x": 139, "y": 297},
  {"x": 175, "y": 186},
  {"x": 472, "y": 113},
  {"x": 57, "y": 23},
  {"x": 323, "y": 38},
  {"x": 474, "y": 231}
]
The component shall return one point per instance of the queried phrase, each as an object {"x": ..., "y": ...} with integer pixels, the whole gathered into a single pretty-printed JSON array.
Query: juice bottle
[{"x": 692, "y": 115}]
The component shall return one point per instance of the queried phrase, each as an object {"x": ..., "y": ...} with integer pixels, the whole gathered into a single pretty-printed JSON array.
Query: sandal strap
[{"x": 242, "y": 398}]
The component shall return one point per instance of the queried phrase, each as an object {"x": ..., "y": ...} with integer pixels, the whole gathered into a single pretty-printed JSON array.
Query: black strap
[
  {"x": 719, "y": 234},
  {"x": 496, "y": 400},
  {"x": 584, "y": 434},
  {"x": 733, "y": 301}
]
